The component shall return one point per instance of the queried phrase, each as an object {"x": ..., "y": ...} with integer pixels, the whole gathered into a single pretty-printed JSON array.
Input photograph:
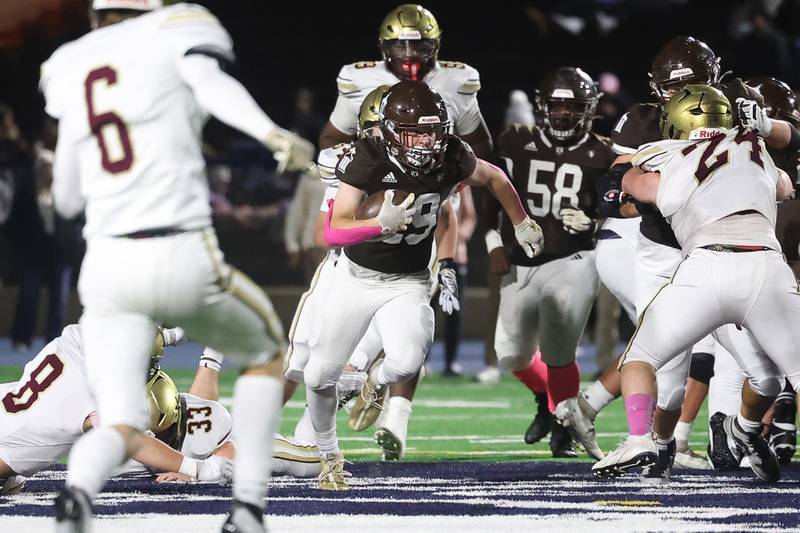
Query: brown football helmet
[
  {"x": 565, "y": 102},
  {"x": 414, "y": 125},
  {"x": 680, "y": 62},
  {"x": 780, "y": 101}
]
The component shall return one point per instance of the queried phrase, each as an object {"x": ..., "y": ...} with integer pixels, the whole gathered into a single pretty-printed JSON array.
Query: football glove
[
  {"x": 394, "y": 218},
  {"x": 292, "y": 152},
  {"x": 215, "y": 468},
  {"x": 575, "y": 220},
  {"x": 753, "y": 116},
  {"x": 448, "y": 287},
  {"x": 529, "y": 235}
]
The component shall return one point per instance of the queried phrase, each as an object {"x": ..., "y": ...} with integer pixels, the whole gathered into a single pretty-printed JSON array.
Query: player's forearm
[
  {"x": 157, "y": 456},
  {"x": 346, "y": 231},
  {"x": 781, "y": 134},
  {"x": 446, "y": 234},
  {"x": 224, "y": 97},
  {"x": 331, "y": 136},
  {"x": 502, "y": 189},
  {"x": 67, "y": 197},
  {"x": 641, "y": 185}
]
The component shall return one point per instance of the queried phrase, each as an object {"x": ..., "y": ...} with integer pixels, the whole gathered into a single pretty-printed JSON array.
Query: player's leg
[
  {"x": 406, "y": 326},
  {"x": 724, "y": 399},
  {"x": 701, "y": 371},
  {"x": 368, "y": 352},
  {"x": 491, "y": 374}
]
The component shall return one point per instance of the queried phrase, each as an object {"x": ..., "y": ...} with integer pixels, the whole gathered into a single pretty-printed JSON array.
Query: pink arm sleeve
[{"x": 346, "y": 236}]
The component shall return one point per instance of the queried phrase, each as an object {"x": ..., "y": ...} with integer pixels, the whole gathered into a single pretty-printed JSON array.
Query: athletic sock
[
  {"x": 747, "y": 426},
  {"x": 322, "y": 408},
  {"x": 398, "y": 411},
  {"x": 535, "y": 376},
  {"x": 597, "y": 396},
  {"x": 640, "y": 409},
  {"x": 93, "y": 458},
  {"x": 563, "y": 382},
  {"x": 682, "y": 430},
  {"x": 256, "y": 414},
  {"x": 304, "y": 430}
]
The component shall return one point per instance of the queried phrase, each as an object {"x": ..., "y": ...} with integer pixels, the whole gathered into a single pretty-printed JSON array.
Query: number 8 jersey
[
  {"x": 132, "y": 122},
  {"x": 370, "y": 168},
  {"x": 548, "y": 178}
]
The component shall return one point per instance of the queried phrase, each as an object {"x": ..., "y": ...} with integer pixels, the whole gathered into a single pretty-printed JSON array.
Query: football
[{"x": 371, "y": 205}]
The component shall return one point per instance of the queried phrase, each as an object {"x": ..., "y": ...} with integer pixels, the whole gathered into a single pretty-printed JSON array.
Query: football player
[
  {"x": 131, "y": 98},
  {"x": 383, "y": 271},
  {"x": 51, "y": 406},
  {"x": 716, "y": 185},
  {"x": 680, "y": 61},
  {"x": 409, "y": 39},
  {"x": 545, "y": 301}
]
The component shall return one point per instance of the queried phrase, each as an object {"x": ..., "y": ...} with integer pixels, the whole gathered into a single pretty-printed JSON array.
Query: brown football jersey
[
  {"x": 787, "y": 228},
  {"x": 642, "y": 124},
  {"x": 369, "y": 167},
  {"x": 549, "y": 177}
]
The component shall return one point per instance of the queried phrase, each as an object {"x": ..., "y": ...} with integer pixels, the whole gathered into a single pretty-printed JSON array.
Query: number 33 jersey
[
  {"x": 128, "y": 123},
  {"x": 368, "y": 167},
  {"x": 208, "y": 426},
  {"x": 548, "y": 178},
  {"x": 42, "y": 414}
]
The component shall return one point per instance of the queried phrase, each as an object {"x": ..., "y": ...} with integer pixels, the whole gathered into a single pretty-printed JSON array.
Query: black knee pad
[{"x": 702, "y": 367}]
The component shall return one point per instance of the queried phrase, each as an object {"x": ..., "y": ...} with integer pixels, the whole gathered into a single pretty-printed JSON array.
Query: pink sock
[
  {"x": 535, "y": 376},
  {"x": 640, "y": 408},
  {"x": 562, "y": 382}
]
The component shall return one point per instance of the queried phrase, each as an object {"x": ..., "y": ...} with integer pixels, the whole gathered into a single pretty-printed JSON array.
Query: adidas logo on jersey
[
  {"x": 389, "y": 178},
  {"x": 531, "y": 146}
]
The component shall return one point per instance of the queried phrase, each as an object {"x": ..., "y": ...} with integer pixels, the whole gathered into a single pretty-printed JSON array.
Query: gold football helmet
[
  {"x": 694, "y": 112},
  {"x": 165, "y": 404},
  {"x": 409, "y": 39},
  {"x": 369, "y": 113}
]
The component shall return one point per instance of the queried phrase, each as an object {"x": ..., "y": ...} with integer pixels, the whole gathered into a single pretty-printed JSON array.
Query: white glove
[
  {"x": 292, "y": 152},
  {"x": 754, "y": 117},
  {"x": 529, "y": 236},
  {"x": 215, "y": 468},
  {"x": 575, "y": 220},
  {"x": 448, "y": 287},
  {"x": 394, "y": 218}
]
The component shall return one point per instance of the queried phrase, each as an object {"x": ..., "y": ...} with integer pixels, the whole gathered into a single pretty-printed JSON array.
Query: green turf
[{"x": 490, "y": 429}]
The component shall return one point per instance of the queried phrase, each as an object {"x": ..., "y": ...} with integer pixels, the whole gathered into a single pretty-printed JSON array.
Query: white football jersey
[
  {"x": 208, "y": 426},
  {"x": 327, "y": 160},
  {"x": 704, "y": 181},
  {"x": 457, "y": 83},
  {"x": 132, "y": 122},
  {"x": 42, "y": 414}
]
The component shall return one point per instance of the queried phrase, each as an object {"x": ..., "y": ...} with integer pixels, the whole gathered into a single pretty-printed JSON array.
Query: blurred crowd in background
[{"x": 289, "y": 57}]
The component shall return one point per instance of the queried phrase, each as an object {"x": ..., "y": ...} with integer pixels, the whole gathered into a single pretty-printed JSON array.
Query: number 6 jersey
[
  {"x": 129, "y": 125},
  {"x": 548, "y": 178}
]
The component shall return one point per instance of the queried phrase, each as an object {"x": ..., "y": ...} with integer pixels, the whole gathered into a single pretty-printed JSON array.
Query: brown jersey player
[
  {"x": 545, "y": 301},
  {"x": 383, "y": 276}
]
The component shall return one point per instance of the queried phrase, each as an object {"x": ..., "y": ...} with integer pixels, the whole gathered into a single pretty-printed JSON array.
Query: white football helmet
[{"x": 137, "y": 5}]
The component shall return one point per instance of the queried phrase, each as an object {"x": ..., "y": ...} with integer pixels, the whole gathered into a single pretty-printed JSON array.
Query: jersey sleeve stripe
[{"x": 619, "y": 149}]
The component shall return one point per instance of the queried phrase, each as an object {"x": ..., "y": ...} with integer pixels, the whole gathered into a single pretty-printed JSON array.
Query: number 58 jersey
[
  {"x": 42, "y": 414},
  {"x": 129, "y": 125},
  {"x": 548, "y": 178}
]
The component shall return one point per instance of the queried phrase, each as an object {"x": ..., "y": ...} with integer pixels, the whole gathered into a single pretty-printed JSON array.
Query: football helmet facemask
[
  {"x": 566, "y": 102},
  {"x": 414, "y": 125},
  {"x": 409, "y": 39},
  {"x": 780, "y": 101},
  {"x": 696, "y": 112},
  {"x": 682, "y": 61}
]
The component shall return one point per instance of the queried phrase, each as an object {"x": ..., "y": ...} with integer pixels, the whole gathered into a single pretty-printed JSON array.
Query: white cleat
[
  {"x": 489, "y": 375},
  {"x": 73, "y": 511},
  {"x": 687, "y": 458},
  {"x": 572, "y": 416},
  {"x": 392, "y": 445},
  {"x": 634, "y": 451}
]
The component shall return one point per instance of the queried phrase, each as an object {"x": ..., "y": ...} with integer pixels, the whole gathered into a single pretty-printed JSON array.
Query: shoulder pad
[
  {"x": 347, "y": 81},
  {"x": 468, "y": 79},
  {"x": 188, "y": 14},
  {"x": 327, "y": 161}
]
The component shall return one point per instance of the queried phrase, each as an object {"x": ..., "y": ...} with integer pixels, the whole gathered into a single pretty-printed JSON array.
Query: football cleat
[
  {"x": 393, "y": 447},
  {"x": 561, "y": 442},
  {"x": 348, "y": 386},
  {"x": 244, "y": 518},
  {"x": 633, "y": 451},
  {"x": 572, "y": 414},
  {"x": 73, "y": 511},
  {"x": 489, "y": 375},
  {"x": 658, "y": 473},
  {"x": 722, "y": 452},
  {"x": 763, "y": 461},
  {"x": 783, "y": 441},
  {"x": 12, "y": 485},
  {"x": 333, "y": 475},
  {"x": 542, "y": 422},
  {"x": 368, "y": 405},
  {"x": 687, "y": 458}
]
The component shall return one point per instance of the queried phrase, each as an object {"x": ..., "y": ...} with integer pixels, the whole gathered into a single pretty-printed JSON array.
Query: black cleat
[
  {"x": 244, "y": 518},
  {"x": 782, "y": 435},
  {"x": 753, "y": 445},
  {"x": 722, "y": 451},
  {"x": 542, "y": 422},
  {"x": 658, "y": 473},
  {"x": 561, "y": 442},
  {"x": 73, "y": 511}
]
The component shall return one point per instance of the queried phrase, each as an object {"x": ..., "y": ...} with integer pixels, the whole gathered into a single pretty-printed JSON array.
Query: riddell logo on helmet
[
  {"x": 562, "y": 93},
  {"x": 681, "y": 72},
  {"x": 429, "y": 120},
  {"x": 410, "y": 34}
]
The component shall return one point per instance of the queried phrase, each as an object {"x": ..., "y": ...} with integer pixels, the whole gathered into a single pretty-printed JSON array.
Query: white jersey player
[
  {"x": 50, "y": 407},
  {"x": 131, "y": 98},
  {"x": 717, "y": 190}
]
